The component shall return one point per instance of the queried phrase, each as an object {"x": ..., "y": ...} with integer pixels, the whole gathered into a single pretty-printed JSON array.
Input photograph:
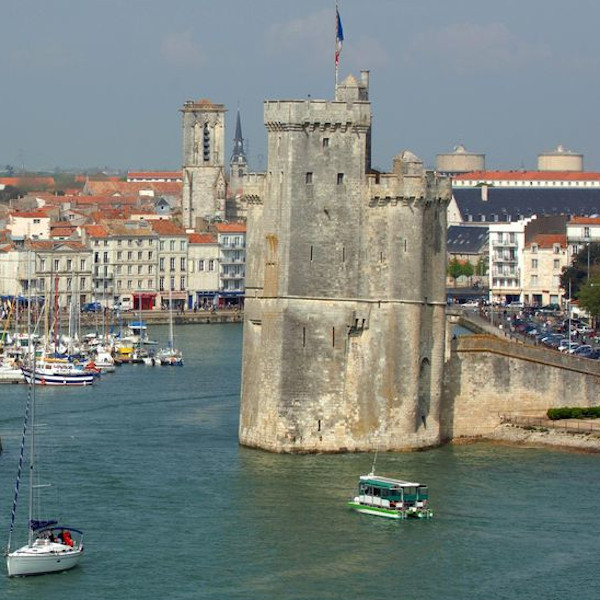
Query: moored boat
[
  {"x": 57, "y": 371},
  {"x": 391, "y": 498}
]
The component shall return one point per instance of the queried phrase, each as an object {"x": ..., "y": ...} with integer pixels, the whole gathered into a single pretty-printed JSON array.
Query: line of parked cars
[{"x": 582, "y": 343}]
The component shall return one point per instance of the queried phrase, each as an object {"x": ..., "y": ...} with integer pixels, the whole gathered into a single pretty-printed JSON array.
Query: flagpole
[{"x": 335, "y": 41}]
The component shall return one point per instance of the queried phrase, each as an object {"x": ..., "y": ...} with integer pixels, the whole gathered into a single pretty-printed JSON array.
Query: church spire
[{"x": 238, "y": 155}]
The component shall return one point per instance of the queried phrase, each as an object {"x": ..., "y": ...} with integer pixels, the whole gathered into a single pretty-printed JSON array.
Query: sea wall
[{"x": 487, "y": 377}]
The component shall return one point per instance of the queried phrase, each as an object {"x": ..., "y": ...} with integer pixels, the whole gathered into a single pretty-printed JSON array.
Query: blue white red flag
[{"x": 339, "y": 36}]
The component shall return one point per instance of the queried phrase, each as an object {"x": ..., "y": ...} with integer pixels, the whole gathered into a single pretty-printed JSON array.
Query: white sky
[{"x": 92, "y": 83}]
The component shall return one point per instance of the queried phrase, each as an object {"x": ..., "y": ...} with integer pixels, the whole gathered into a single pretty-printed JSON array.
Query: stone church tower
[
  {"x": 344, "y": 315},
  {"x": 204, "y": 184}
]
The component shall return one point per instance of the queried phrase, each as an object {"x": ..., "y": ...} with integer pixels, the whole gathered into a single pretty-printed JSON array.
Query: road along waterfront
[{"x": 148, "y": 464}]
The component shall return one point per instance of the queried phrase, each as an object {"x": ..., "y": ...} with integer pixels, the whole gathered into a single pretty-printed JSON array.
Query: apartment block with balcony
[
  {"x": 506, "y": 243},
  {"x": 231, "y": 238}
]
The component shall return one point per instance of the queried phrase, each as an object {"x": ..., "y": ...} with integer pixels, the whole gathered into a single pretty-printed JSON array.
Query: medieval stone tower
[
  {"x": 345, "y": 287},
  {"x": 204, "y": 184}
]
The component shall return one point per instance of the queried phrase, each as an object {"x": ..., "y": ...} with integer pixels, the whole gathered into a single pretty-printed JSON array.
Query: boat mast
[{"x": 32, "y": 452}]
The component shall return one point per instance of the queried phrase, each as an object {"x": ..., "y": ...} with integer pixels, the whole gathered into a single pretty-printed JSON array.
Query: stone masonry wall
[{"x": 487, "y": 377}]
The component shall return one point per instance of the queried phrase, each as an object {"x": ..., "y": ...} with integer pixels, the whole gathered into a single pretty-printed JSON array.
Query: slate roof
[
  {"x": 465, "y": 239},
  {"x": 505, "y": 205}
]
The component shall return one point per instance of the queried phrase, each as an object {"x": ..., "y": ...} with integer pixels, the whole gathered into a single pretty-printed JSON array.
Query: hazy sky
[{"x": 100, "y": 82}]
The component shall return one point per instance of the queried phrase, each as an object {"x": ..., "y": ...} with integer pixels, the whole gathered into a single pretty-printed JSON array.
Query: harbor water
[{"x": 147, "y": 463}]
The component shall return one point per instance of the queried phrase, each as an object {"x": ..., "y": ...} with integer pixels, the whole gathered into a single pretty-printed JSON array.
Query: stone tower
[
  {"x": 204, "y": 184},
  {"x": 345, "y": 287}
]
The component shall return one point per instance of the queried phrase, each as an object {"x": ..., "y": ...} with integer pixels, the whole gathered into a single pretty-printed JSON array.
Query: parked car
[{"x": 91, "y": 307}]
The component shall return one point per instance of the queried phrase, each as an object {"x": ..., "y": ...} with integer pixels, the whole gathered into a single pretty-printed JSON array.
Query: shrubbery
[{"x": 574, "y": 412}]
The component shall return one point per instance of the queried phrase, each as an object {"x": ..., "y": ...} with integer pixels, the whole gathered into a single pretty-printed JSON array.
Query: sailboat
[
  {"x": 50, "y": 547},
  {"x": 169, "y": 356}
]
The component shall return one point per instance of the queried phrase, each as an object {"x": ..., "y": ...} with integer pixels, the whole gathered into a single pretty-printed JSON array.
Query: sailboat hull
[
  {"x": 38, "y": 559},
  {"x": 50, "y": 378}
]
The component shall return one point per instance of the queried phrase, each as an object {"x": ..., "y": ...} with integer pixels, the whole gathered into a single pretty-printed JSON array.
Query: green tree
[
  {"x": 456, "y": 268},
  {"x": 577, "y": 272},
  {"x": 589, "y": 297},
  {"x": 468, "y": 269}
]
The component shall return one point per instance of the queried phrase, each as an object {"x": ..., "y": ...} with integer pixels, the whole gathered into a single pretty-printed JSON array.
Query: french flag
[{"x": 339, "y": 36}]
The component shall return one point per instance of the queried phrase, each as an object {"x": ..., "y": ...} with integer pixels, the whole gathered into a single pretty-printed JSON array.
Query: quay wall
[{"x": 486, "y": 377}]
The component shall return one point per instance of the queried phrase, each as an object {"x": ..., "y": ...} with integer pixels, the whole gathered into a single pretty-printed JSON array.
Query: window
[
  {"x": 56, "y": 264},
  {"x": 139, "y": 269},
  {"x": 308, "y": 177},
  {"x": 161, "y": 284},
  {"x": 182, "y": 263},
  {"x": 37, "y": 221},
  {"x": 534, "y": 279},
  {"x": 161, "y": 263},
  {"x": 130, "y": 255},
  {"x": 200, "y": 265},
  {"x": 556, "y": 263},
  {"x": 129, "y": 269},
  {"x": 119, "y": 283},
  {"x": 118, "y": 269},
  {"x": 119, "y": 242},
  {"x": 69, "y": 283},
  {"x": 211, "y": 265},
  {"x": 82, "y": 283},
  {"x": 161, "y": 245},
  {"x": 150, "y": 255},
  {"x": 129, "y": 284},
  {"x": 139, "y": 255},
  {"x": 182, "y": 283},
  {"x": 150, "y": 269},
  {"x": 586, "y": 232},
  {"x": 119, "y": 255},
  {"x": 340, "y": 178},
  {"x": 534, "y": 263},
  {"x": 556, "y": 249},
  {"x": 105, "y": 257},
  {"x": 325, "y": 142},
  {"x": 172, "y": 263},
  {"x": 172, "y": 283},
  {"x": 149, "y": 284},
  {"x": 534, "y": 249},
  {"x": 130, "y": 242},
  {"x": 172, "y": 245},
  {"x": 69, "y": 264},
  {"x": 182, "y": 245},
  {"x": 140, "y": 284},
  {"x": 42, "y": 264}
]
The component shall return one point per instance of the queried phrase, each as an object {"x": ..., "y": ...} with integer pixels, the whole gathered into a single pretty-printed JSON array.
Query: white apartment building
[
  {"x": 506, "y": 244},
  {"x": 232, "y": 243}
]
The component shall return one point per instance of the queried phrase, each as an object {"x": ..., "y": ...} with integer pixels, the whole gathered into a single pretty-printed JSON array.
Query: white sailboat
[
  {"x": 168, "y": 356},
  {"x": 50, "y": 546}
]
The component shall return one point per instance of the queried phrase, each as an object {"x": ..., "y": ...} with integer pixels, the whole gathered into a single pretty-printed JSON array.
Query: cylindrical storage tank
[
  {"x": 460, "y": 161},
  {"x": 560, "y": 159}
]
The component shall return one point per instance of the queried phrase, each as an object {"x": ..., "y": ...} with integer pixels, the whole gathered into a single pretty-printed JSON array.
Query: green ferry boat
[{"x": 391, "y": 498}]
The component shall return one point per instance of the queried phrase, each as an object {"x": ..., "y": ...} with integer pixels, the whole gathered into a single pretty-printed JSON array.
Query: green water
[{"x": 147, "y": 463}]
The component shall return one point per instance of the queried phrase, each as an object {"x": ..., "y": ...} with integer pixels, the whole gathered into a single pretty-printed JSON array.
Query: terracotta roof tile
[
  {"x": 548, "y": 240},
  {"x": 230, "y": 227},
  {"x": 202, "y": 238}
]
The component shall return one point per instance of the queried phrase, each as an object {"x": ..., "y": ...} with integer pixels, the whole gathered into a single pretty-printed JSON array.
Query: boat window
[{"x": 423, "y": 492}]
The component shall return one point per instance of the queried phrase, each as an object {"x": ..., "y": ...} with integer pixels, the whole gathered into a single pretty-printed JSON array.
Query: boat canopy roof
[{"x": 387, "y": 482}]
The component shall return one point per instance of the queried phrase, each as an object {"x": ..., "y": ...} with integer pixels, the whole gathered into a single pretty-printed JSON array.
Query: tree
[
  {"x": 577, "y": 272},
  {"x": 455, "y": 269},
  {"x": 589, "y": 297}
]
